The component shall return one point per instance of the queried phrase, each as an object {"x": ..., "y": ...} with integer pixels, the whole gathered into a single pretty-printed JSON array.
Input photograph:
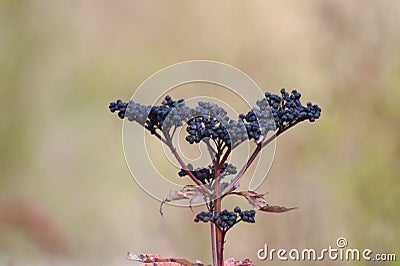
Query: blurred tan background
[{"x": 66, "y": 195}]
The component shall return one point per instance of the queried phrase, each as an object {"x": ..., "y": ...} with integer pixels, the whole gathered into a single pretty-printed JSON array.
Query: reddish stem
[
  {"x": 250, "y": 161},
  {"x": 218, "y": 206},
  {"x": 219, "y": 237},
  {"x": 213, "y": 249},
  {"x": 224, "y": 158},
  {"x": 188, "y": 172}
]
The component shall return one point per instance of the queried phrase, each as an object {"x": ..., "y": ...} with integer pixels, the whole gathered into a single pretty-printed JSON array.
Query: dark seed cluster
[
  {"x": 204, "y": 175},
  {"x": 207, "y": 174},
  {"x": 208, "y": 120},
  {"x": 248, "y": 216},
  {"x": 131, "y": 110},
  {"x": 170, "y": 113},
  {"x": 258, "y": 122},
  {"x": 205, "y": 127},
  {"x": 119, "y": 106},
  {"x": 163, "y": 117},
  {"x": 203, "y": 216},
  {"x": 228, "y": 169},
  {"x": 288, "y": 110},
  {"x": 226, "y": 219}
]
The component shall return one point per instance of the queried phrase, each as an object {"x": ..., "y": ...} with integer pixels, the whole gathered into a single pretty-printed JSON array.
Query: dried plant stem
[
  {"x": 217, "y": 203},
  {"x": 184, "y": 167},
  {"x": 213, "y": 248},
  {"x": 219, "y": 237},
  {"x": 250, "y": 161},
  {"x": 226, "y": 155}
]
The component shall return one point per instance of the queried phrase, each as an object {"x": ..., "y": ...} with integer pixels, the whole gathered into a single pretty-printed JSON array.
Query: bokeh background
[{"x": 66, "y": 195}]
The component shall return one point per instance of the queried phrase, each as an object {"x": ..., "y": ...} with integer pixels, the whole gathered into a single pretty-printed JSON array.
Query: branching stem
[
  {"x": 250, "y": 161},
  {"x": 184, "y": 167}
]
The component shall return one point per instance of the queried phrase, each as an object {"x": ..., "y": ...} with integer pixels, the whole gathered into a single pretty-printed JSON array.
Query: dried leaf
[
  {"x": 233, "y": 262},
  {"x": 132, "y": 256},
  {"x": 189, "y": 192},
  {"x": 278, "y": 209},
  {"x": 156, "y": 259},
  {"x": 256, "y": 200}
]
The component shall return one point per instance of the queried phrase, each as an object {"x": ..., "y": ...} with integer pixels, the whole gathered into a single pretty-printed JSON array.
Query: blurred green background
[{"x": 66, "y": 195}]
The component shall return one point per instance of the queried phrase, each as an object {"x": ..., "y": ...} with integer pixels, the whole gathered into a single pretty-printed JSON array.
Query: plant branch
[
  {"x": 250, "y": 161},
  {"x": 167, "y": 141},
  {"x": 173, "y": 132},
  {"x": 217, "y": 203},
  {"x": 184, "y": 166},
  {"x": 224, "y": 158},
  {"x": 254, "y": 155},
  {"x": 210, "y": 149},
  {"x": 155, "y": 134},
  {"x": 219, "y": 237}
]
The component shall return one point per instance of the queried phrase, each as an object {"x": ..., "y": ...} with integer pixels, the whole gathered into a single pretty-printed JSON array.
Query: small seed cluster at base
[{"x": 226, "y": 219}]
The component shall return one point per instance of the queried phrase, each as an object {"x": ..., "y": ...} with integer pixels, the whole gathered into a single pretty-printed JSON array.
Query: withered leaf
[
  {"x": 190, "y": 192},
  {"x": 156, "y": 259},
  {"x": 275, "y": 208},
  {"x": 256, "y": 200}
]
